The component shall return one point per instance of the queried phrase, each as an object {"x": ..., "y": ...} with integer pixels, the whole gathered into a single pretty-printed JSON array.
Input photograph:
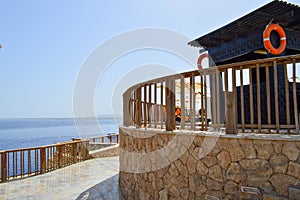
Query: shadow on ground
[{"x": 107, "y": 189}]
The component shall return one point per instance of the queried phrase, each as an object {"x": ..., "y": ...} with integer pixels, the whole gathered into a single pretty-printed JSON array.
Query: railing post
[
  {"x": 3, "y": 166},
  {"x": 138, "y": 108},
  {"x": 43, "y": 160},
  {"x": 59, "y": 155},
  {"x": 85, "y": 154},
  {"x": 230, "y": 114},
  {"x": 74, "y": 152},
  {"x": 170, "y": 102}
]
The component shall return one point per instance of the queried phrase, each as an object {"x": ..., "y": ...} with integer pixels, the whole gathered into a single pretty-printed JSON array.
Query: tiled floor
[{"x": 92, "y": 179}]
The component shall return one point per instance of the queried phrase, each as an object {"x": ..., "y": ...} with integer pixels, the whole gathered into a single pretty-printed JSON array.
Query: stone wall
[
  {"x": 195, "y": 165},
  {"x": 95, "y": 146},
  {"x": 109, "y": 151}
]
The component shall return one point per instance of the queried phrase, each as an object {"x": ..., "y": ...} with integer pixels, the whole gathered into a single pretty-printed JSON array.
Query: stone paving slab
[{"x": 92, "y": 179}]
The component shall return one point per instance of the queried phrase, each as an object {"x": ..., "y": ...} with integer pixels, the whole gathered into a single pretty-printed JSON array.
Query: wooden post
[
  {"x": 170, "y": 97},
  {"x": 126, "y": 107},
  {"x": 276, "y": 96},
  {"x": 138, "y": 108},
  {"x": 145, "y": 106},
  {"x": 3, "y": 166},
  {"x": 85, "y": 150},
  {"x": 268, "y": 90},
  {"x": 287, "y": 99},
  {"x": 295, "y": 97},
  {"x": 43, "y": 160},
  {"x": 182, "y": 102},
  {"x": 258, "y": 98},
  {"x": 74, "y": 152},
  {"x": 242, "y": 98},
  {"x": 59, "y": 155},
  {"x": 192, "y": 101},
  {"x": 230, "y": 111},
  {"x": 251, "y": 100}
]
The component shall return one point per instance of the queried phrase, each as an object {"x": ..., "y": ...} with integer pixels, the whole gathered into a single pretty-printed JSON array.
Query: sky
[{"x": 45, "y": 44}]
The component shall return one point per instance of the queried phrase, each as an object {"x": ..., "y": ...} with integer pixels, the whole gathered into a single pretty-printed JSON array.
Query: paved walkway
[{"x": 92, "y": 179}]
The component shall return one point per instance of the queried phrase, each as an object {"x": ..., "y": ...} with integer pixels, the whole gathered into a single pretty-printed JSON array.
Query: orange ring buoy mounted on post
[
  {"x": 201, "y": 57},
  {"x": 267, "y": 43}
]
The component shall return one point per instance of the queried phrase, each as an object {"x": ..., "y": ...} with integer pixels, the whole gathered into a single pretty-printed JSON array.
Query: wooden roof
[{"x": 286, "y": 14}]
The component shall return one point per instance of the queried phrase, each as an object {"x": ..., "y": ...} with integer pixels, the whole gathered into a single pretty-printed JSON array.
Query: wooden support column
[
  {"x": 192, "y": 101},
  {"x": 268, "y": 96},
  {"x": 43, "y": 160},
  {"x": 276, "y": 96},
  {"x": 230, "y": 112},
  {"x": 170, "y": 103},
  {"x": 182, "y": 101},
  {"x": 138, "y": 108},
  {"x": 258, "y": 98},
  {"x": 127, "y": 115},
  {"x": 251, "y": 100},
  {"x": 287, "y": 99},
  {"x": 3, "y": 167},
  {"x": 295, "y": 97},
  {"x": 242, "y": 99}
]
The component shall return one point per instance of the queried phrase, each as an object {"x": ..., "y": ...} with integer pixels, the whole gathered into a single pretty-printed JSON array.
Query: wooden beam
[
  {"x": 268, "y": 90},
  {"x": 251, "y": 100},
  {"x": 287, "y": 99},
  {"x": 276, "y": 96},
  {"x": 258, "y": 98},
  {"x": 242, "y": 98},
  {"x": 295, "y": 97},
  {"x": 182, "y": 102}
]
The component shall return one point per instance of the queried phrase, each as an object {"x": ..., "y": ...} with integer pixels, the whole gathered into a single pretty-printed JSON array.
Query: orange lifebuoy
[
  {"x": 201, "y": 57},
  {"x": 267, "y": 43}
]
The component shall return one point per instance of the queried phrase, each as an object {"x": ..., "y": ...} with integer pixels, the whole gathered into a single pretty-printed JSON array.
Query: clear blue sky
[{"x": 46, "y": 42}]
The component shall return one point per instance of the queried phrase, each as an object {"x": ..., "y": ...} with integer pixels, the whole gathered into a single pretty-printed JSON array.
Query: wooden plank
[
  {"x": 149, "y": 105},
  {"x": 251, "y": 100},
  {"x": 155, "y": 105},
  {"x": 268, "y": 90},
  {"x": 162, "y": 113},
  {"x": 287, "y": 99},
  {"x": 295, "y": 97},
  {"x": 182, "y": 102},
  {"x": 201, "y": 114},
  {"x": 242, "y": 98},
  {"x": 170, "y": 103},
  {"x": 234, "y": 98},
  {"x": 205, "y": 103},
  {"x": 214, "y": 96},
  {"x": 145, "y": 106},
  {"x": 43, "y": 160},
  {"x": 218, "y": 99},
  {"x": 138, "y": 109},
  {"x": 192, "y": 101},
  {"x": 226, "y": 80},
  {"x": 3, "y": 167},
  {"x": 276, "y": 96},
  {"x": 258, "y": 98}
]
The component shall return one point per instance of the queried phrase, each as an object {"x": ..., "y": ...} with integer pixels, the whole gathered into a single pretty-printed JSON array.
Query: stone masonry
[{"x": 208, "y": 166}]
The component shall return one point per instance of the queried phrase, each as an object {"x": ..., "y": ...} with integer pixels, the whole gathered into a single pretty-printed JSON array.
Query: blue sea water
[{"x": 23, "y": 133}]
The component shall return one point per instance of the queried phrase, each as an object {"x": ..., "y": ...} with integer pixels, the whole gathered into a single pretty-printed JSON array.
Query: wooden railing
[
  {"x": 111, "y": 139},
  {"x": 254, "y": 96},
  {"x": 19, "y": 163}
]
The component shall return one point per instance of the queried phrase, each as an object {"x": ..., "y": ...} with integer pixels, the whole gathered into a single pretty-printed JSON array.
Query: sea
[{"x": 25, "y": 133}]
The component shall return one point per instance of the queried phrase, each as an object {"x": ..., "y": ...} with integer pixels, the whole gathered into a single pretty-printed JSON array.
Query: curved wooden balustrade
[{"x": 264, "y": 99}]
